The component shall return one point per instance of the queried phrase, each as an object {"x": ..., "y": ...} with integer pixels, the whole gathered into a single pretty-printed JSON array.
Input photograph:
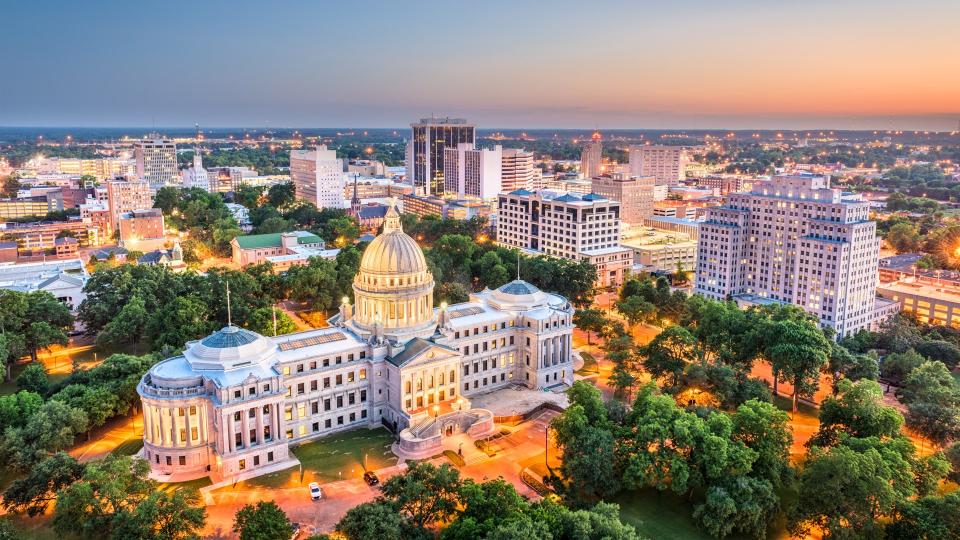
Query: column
[
  {"x": 245, "y": 427},
  {"x": 231, "y": 430},
  {"x": 147, "y": 424},
  {"x": 164, "y": 432},
  {"x": 186, "y": 423},
  {"x": 259, "y": 422}
]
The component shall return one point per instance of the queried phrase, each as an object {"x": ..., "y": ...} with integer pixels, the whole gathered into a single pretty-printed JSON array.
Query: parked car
[
  {"x": 370, "y": 478},
  {"x": 315, "y": 492}
]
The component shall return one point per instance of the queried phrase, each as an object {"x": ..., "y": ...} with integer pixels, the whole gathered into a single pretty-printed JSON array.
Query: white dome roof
[
  {"x": 519, "y": 294},
  {"x": 393, "y": 253},
  {"x": 229, "y": 348}
]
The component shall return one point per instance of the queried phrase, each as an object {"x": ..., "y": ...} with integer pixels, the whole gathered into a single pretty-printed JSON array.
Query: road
[{"x": 522, "y": 448}]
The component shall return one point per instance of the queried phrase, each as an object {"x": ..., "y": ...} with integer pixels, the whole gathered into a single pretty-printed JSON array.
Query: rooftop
[{"x": 256, "y": 241}]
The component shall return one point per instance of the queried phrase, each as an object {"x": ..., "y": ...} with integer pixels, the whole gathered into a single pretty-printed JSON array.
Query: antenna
[
  {"x": 518, "y": 265},
  {"x": 274, "y": 311},
  {"x": 229, "y": 315}
]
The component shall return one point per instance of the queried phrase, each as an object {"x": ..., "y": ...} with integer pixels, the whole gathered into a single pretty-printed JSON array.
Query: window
[
  {"x": 169, "y": 461},
  {"x": 313, "y": 364},
  {"x": 194, "y": 434},
  {"x": 313, "y": 386},
  {"x": 363, "y": 374},
  {"x": 286, "y": 370},
  {"x": 299, "y": 368},
  {"x": 339, "y": 379},
  {"x": 353, "y": 417},
  {"x": 236, "y": 395},
  {"x": 252, "y": 390},
  {"x": 266, "y": 388},
  {"x": 269, "y": 456},
  {"x": 316, "y": 427},
  {"x": 252, "y": 413},
  {"x": 363, "y": 396},
  {"x": 326, "y": 404},
  {"x": 299, "y": 388},
  {"x": 182, "y": 460},
  {"x": 243, "y": 464},
  {"x": 350, "y": 377},
  {"x": 193, "y": 409},
  {"x": 289, "y": 433},
  {"x": 339, "y": 401},
  {"x": 288, "y": 413},
  {"x": 339, "y": 420},
  {"x": 314, "y": 407},
  {"x": 327, "y": 423},
  {"x": 350, "y": 398},
  {"x": 326, "y": 382},
  {"x": 256, "y": 461}
]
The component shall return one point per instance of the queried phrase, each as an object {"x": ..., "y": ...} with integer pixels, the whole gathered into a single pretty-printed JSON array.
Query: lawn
[
  {"x": 336, "y": 457},
  {"x": 589, "y": 365},
  {"x": 128, "y": 447},
  {"x": 195, "y": 484}
]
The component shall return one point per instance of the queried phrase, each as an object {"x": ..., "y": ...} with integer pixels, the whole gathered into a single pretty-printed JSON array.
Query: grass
[
  {"x": 589, "y": 365},
  {"x": 337, "y": 457},
  {"x": 128, "y": 447},
  {"x": 195, "y": 484},
  {"x": 785, "y": 403}
]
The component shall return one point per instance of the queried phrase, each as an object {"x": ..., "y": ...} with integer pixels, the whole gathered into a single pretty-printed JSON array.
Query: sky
[{"x": 670, "y": 64}]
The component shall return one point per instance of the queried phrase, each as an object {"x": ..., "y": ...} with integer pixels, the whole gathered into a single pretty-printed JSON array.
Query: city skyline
[{"x": 876, "y": 65}]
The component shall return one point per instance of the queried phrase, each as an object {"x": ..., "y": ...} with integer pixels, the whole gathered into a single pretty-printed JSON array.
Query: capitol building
[{"x": 232, "y": 404}]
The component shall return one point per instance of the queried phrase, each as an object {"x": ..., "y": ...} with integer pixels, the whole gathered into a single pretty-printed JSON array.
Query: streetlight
[{"x": 436, "y": 411}]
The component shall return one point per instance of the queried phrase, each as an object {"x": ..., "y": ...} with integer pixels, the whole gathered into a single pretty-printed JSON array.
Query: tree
[
  {"x": 265, "y": 521},
  {"x": 904, "y": 237},
  {"x": 249, "y": 196},
  {"x": 856, "y": 411},
  {"x": 8, "y": 531},
  {"x": 928, "y": 472},
  {"x": 164, "y": 516},
  {"x": 16, "y": 409},
  {"x": 371, "y": 520},
  {"x": 635, "y": 309},
  {"x": 36, "y": 318},
  {"x": 896, "y": 366},
  {"x": 281, "y": 195},
  {"x": 52, "y": 428},
  {"x": 930, "y": 518},
  {"x": 930, "y": 382},
  {"x": 425, "y": 494},
  {"x": 590, "y": 320},
  {"x": 341, "y": 231},
  {"x": 668, "y": 354},
  {"x": 34, "y": 492},
  {"x": 34, "y": 378},
  {"x": 485, "y": 506},
  {"x": 621, "y": 350},
  {"x": 742, "y": 503},
  {"x": 873, "y": 481},
  {"x": 797, "y": 350},
  {"x": 937, "y": 349},
  {"x": 583, "y": 434},
  {"x": 103, "y": 499},
  {"x": 261, "y": 322},
  {"x": 129, "y": 326},
  {"x": 10, "y": 186},
  {"x": 763, "y": 428},
  {"x": 183, "y": 320},
  {"x": 314, "y": 283}
]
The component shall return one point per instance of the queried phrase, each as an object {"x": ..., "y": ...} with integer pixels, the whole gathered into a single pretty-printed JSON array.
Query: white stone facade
[
  {"x": 795, "y": 240},
  {"x": 231, "y": 404}
]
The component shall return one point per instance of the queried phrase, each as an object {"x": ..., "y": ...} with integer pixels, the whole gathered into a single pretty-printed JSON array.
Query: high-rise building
[
  {"x": 516, "y": 170},
  {"x": 635, "y": 194},
  {"x": 472, "y": 172},
  {"x": 591, "y": 157},
  {"x": 793, "y": 240},
  {"x": 125, "y": 196},
  {"x": 667, "y": 164},
  {"x": 425, "y": 151},
  {"x": 142, "y": 230},
  {"x": 196, "y": 176},
  {"x": 156, "y": 161},
  {"x": 568, "y": 226},
  {"x": 318, "y": 176}
]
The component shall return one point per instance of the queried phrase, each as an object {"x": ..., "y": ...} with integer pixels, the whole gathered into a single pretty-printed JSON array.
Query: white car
[{"x": 315, "y": 492}]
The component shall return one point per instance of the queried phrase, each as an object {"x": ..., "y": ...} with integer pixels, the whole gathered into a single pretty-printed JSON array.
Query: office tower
[
  {"x": 472, "y": 172},
  {"x": 142, "y": 230},
  {"x": 430, "y": 136},
  {"x": 591, "y": 157},
  {"x": 196, "y": 176},
  {"x": 156, "y": 161},
  {"x": 125, "y": 196},
  {"x": 634, "y": 193},
  {"x": 516, "y": 169},
  {"x": 793, "y": 240},
  {"x": 568, "y": 226},
  {"x": 667, "y": 164},
  {"x": 318, "y": 176}
]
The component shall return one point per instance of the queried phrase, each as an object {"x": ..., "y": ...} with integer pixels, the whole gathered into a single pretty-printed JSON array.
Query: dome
[
  {"x": 519, "y": 294},
  {"x": 393, "y": 252},
  {"x": 229, "y": 348},
  {"x": 393, "y": 289}
]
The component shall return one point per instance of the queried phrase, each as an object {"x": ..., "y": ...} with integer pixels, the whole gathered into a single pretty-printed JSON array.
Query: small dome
[
  {"x": 518, "y": 294},
  {"x": 517, "y": 287},
  {"x": 230, "y": 336},
  {"x": 229, "y": 348}
]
